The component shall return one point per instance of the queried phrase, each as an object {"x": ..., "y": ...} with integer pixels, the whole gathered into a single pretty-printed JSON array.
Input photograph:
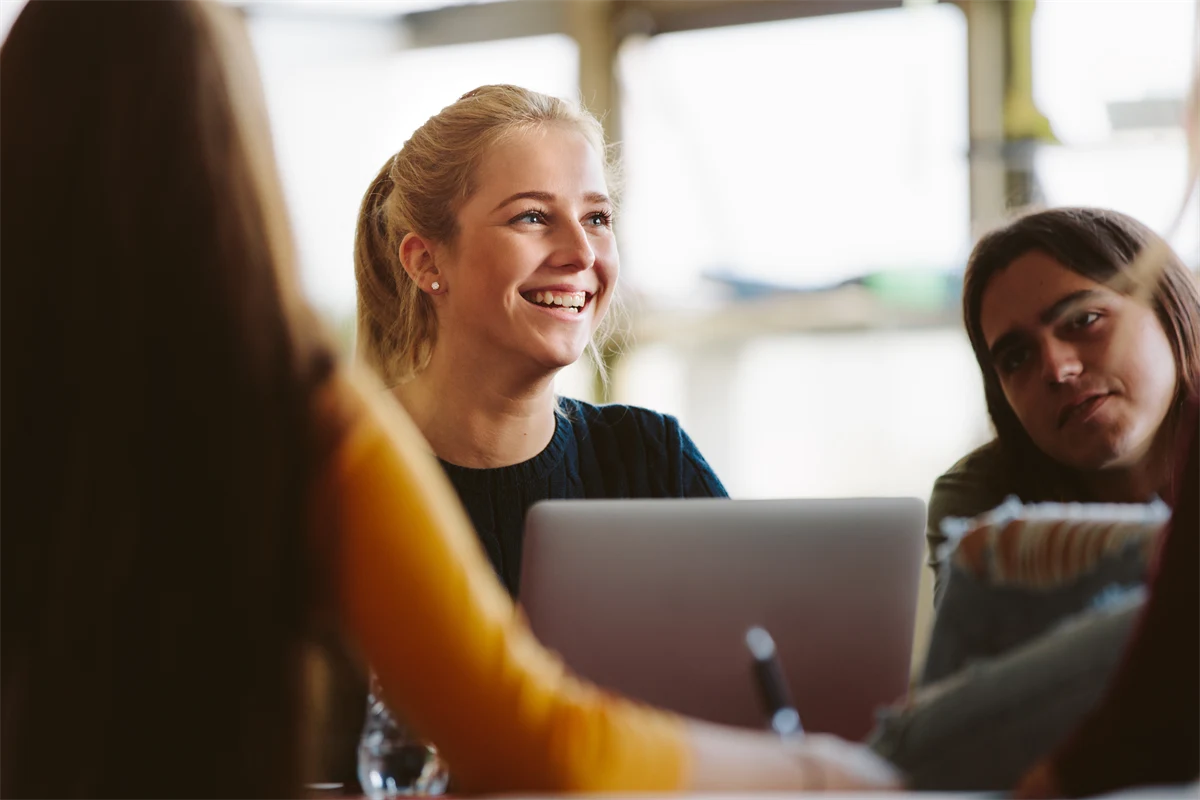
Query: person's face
[
  {"x": 1088, "y": 372},
  {"x": 535, "y": 261}
]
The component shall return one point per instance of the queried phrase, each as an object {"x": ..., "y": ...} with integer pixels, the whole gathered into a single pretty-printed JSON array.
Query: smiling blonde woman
[{"x": 486, "y": 262}]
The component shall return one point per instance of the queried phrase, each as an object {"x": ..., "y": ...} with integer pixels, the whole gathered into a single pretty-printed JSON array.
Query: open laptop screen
[{"x": 653, "y": 598}]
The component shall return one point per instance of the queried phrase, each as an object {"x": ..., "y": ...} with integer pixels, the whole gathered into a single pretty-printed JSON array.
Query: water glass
[{"x": 392, "y": 760}]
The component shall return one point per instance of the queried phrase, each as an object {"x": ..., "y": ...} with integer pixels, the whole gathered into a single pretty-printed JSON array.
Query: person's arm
[
  {"x": 457, "y": 661},
  {"x": 968, "y": 489},
  {"x": 1147, "y": 728}
]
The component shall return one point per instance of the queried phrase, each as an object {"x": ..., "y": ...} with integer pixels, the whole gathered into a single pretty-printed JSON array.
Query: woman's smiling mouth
[{"x": 568, "y": 302}]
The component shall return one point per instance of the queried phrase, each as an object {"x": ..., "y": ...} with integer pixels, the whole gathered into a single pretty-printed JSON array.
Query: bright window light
[{"x": 801, "y": 152}]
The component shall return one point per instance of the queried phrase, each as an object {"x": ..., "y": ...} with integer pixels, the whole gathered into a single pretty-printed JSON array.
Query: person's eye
[
  {"x": 601, "y": 219},
  {"x": 1012, "y": 359},
  {"x": 533, "y": 217},
  {"x": 1084, "y": 319}
]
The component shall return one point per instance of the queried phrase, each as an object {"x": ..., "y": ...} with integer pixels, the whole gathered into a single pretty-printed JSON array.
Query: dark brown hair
[
  {"x": 1098, "y": 244},
  {"x": 158, "y": 438}
]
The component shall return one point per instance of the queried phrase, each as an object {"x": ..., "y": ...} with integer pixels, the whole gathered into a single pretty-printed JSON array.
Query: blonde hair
[{"x": 420, "y": 190}]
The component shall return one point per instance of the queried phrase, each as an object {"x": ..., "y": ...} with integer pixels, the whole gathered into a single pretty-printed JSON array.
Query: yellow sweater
[{"x": 452, "y": 652}]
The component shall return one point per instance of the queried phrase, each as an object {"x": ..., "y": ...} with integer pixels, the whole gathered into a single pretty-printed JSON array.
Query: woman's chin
[
  {"x": 1099, "y": 455},
  {"x": 559, "y": 358}
]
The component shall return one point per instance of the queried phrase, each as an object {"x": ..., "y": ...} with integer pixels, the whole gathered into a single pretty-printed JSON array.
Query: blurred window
[
  {"x": 1112, "y": 78},
  {"x": 801, "y": 152}
]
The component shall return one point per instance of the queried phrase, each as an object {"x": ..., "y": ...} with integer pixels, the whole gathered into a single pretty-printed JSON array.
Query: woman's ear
[{"x": 416, "y": 256}]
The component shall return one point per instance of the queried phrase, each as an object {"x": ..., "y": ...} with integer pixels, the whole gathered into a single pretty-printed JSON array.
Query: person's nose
[
  {"x": 573, "y": 248},
  {"x": 1060, "y": 362}
]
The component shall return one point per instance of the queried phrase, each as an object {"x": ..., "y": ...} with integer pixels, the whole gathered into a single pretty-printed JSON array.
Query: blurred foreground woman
[{"x": 193, "y": 484}]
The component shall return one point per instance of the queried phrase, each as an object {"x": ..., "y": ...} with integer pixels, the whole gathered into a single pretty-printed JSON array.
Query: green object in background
[{"x": 916, "y": 288}]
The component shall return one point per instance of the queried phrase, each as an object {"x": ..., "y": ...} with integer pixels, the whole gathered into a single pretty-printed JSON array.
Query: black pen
[{"x": 772, "y": 686}]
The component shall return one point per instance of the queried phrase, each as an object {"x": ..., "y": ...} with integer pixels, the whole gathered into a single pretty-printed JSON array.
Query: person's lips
[{"x": 1082, "y": 408}]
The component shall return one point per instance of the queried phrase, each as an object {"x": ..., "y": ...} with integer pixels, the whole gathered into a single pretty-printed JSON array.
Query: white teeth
[{"x": 574, "y": 300}]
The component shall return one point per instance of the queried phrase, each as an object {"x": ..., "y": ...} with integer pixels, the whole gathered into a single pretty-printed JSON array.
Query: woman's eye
[
  {"x": 1084, "y": 319},
  {"x": 600, "y": 218},
  {"x": 533, "y": 217},
  {"x": 1011, "y": 360}
]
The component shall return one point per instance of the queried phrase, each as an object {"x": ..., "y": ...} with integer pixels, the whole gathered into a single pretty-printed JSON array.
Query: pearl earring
[{"x": 435, "y": 286}]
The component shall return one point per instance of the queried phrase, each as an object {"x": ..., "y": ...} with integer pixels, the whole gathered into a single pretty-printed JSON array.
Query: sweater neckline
[{"x": 531, "y": 469}]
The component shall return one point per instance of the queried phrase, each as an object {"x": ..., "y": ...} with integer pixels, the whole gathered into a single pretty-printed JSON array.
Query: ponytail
[{"x": 396, "y": 328}]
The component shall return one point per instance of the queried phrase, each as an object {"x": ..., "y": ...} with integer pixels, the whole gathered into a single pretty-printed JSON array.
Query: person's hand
[
  {"x": 834, "y": 764},
  {"x": 1039, "y": 783},
  {"x": 735, "y": 759}
]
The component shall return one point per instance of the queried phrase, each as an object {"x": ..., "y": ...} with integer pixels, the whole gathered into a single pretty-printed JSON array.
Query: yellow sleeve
[{"x": 448, "y": 646}]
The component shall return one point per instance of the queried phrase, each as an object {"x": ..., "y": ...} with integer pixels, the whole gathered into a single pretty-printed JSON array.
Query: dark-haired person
[
  {"x": 192, "y": 483},
  {"x": 1089, "y": 390},
  {"x": 1087, "y": 404}
]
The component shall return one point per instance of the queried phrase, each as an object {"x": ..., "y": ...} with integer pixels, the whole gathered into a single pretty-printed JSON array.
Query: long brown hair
[
  {"x": 1100, "y": 245},
  {"x": 158, "y": 438}
]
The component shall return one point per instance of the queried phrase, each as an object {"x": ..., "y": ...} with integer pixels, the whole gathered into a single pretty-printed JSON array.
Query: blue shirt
[{"x": 599, "y": 452}]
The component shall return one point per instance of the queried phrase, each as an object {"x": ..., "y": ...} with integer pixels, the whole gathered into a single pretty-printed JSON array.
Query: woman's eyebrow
[
  {"x": 1065, "y": 305},
  {"x": 597, "y": 198},
  {"x": 544, "y": 197}
]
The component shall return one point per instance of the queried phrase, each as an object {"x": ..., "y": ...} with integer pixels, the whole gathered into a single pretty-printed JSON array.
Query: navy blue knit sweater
[{"x": 610, "y": 451}]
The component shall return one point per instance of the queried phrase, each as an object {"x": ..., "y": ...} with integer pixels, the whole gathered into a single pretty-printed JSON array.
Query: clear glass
[{"x": 392, "y": 760}]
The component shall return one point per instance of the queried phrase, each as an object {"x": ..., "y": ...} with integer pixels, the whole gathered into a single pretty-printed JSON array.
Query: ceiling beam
[
  {"x": 482, "y": 22},
  {"x": 673, "y": 16},
  {"x": 485, "y": 22}
]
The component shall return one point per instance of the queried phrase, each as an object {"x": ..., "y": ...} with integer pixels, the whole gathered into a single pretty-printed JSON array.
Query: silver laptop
[{"x": 653, "y": 598}]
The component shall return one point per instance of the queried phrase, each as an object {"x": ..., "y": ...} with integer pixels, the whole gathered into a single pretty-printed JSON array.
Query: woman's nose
[
  {"x": 574, "y": 250},
  {"x": 1060, "y": 362}
]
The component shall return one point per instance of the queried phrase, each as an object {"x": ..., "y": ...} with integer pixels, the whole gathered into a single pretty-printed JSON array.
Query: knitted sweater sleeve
[{"x": 466, "y": 671}]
